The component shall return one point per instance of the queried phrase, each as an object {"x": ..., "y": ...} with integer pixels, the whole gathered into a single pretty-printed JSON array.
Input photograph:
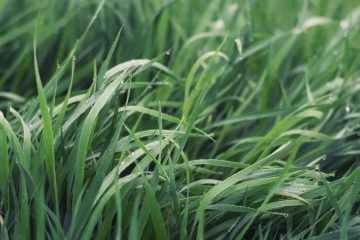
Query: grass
[{"x": 160, "y": 119}]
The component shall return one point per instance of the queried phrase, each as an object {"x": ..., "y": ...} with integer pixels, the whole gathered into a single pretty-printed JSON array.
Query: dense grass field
[{"x": 179, "y": 119}]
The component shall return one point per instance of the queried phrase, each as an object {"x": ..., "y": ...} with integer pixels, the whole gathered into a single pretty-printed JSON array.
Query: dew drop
[
  {"x": 344, "y": 24},
  {"x": 232, "y": 8},
  {"x": 239, "y": 47},
  {"x": 297, "y": 31},
  {"x": 219, "y": 24},
  {"x": 348, "y": 108},
  {"x": 168, "y": 52}
]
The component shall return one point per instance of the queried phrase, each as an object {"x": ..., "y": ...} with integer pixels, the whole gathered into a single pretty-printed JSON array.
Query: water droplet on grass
[
  {"x": 348, "y": 108},
  {"x": 232, "y": 8},
  {"x": 218, "y": 25},
  {"x": 344, "y": 24},
  {"x": 297, "y": 31}
]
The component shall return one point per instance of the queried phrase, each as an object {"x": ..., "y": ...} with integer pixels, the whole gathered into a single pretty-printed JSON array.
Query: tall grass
[{"x": 160, "y": 119}]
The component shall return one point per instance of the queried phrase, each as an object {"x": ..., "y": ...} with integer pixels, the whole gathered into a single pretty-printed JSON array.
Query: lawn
[{"x": 179, "y": 119}]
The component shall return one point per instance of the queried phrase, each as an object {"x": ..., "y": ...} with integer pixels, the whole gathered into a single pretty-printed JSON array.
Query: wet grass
[{"x": 179, "y": 119}]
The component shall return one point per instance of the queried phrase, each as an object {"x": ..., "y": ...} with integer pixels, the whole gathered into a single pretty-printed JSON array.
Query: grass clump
[{"x": 179, "y": 120}]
